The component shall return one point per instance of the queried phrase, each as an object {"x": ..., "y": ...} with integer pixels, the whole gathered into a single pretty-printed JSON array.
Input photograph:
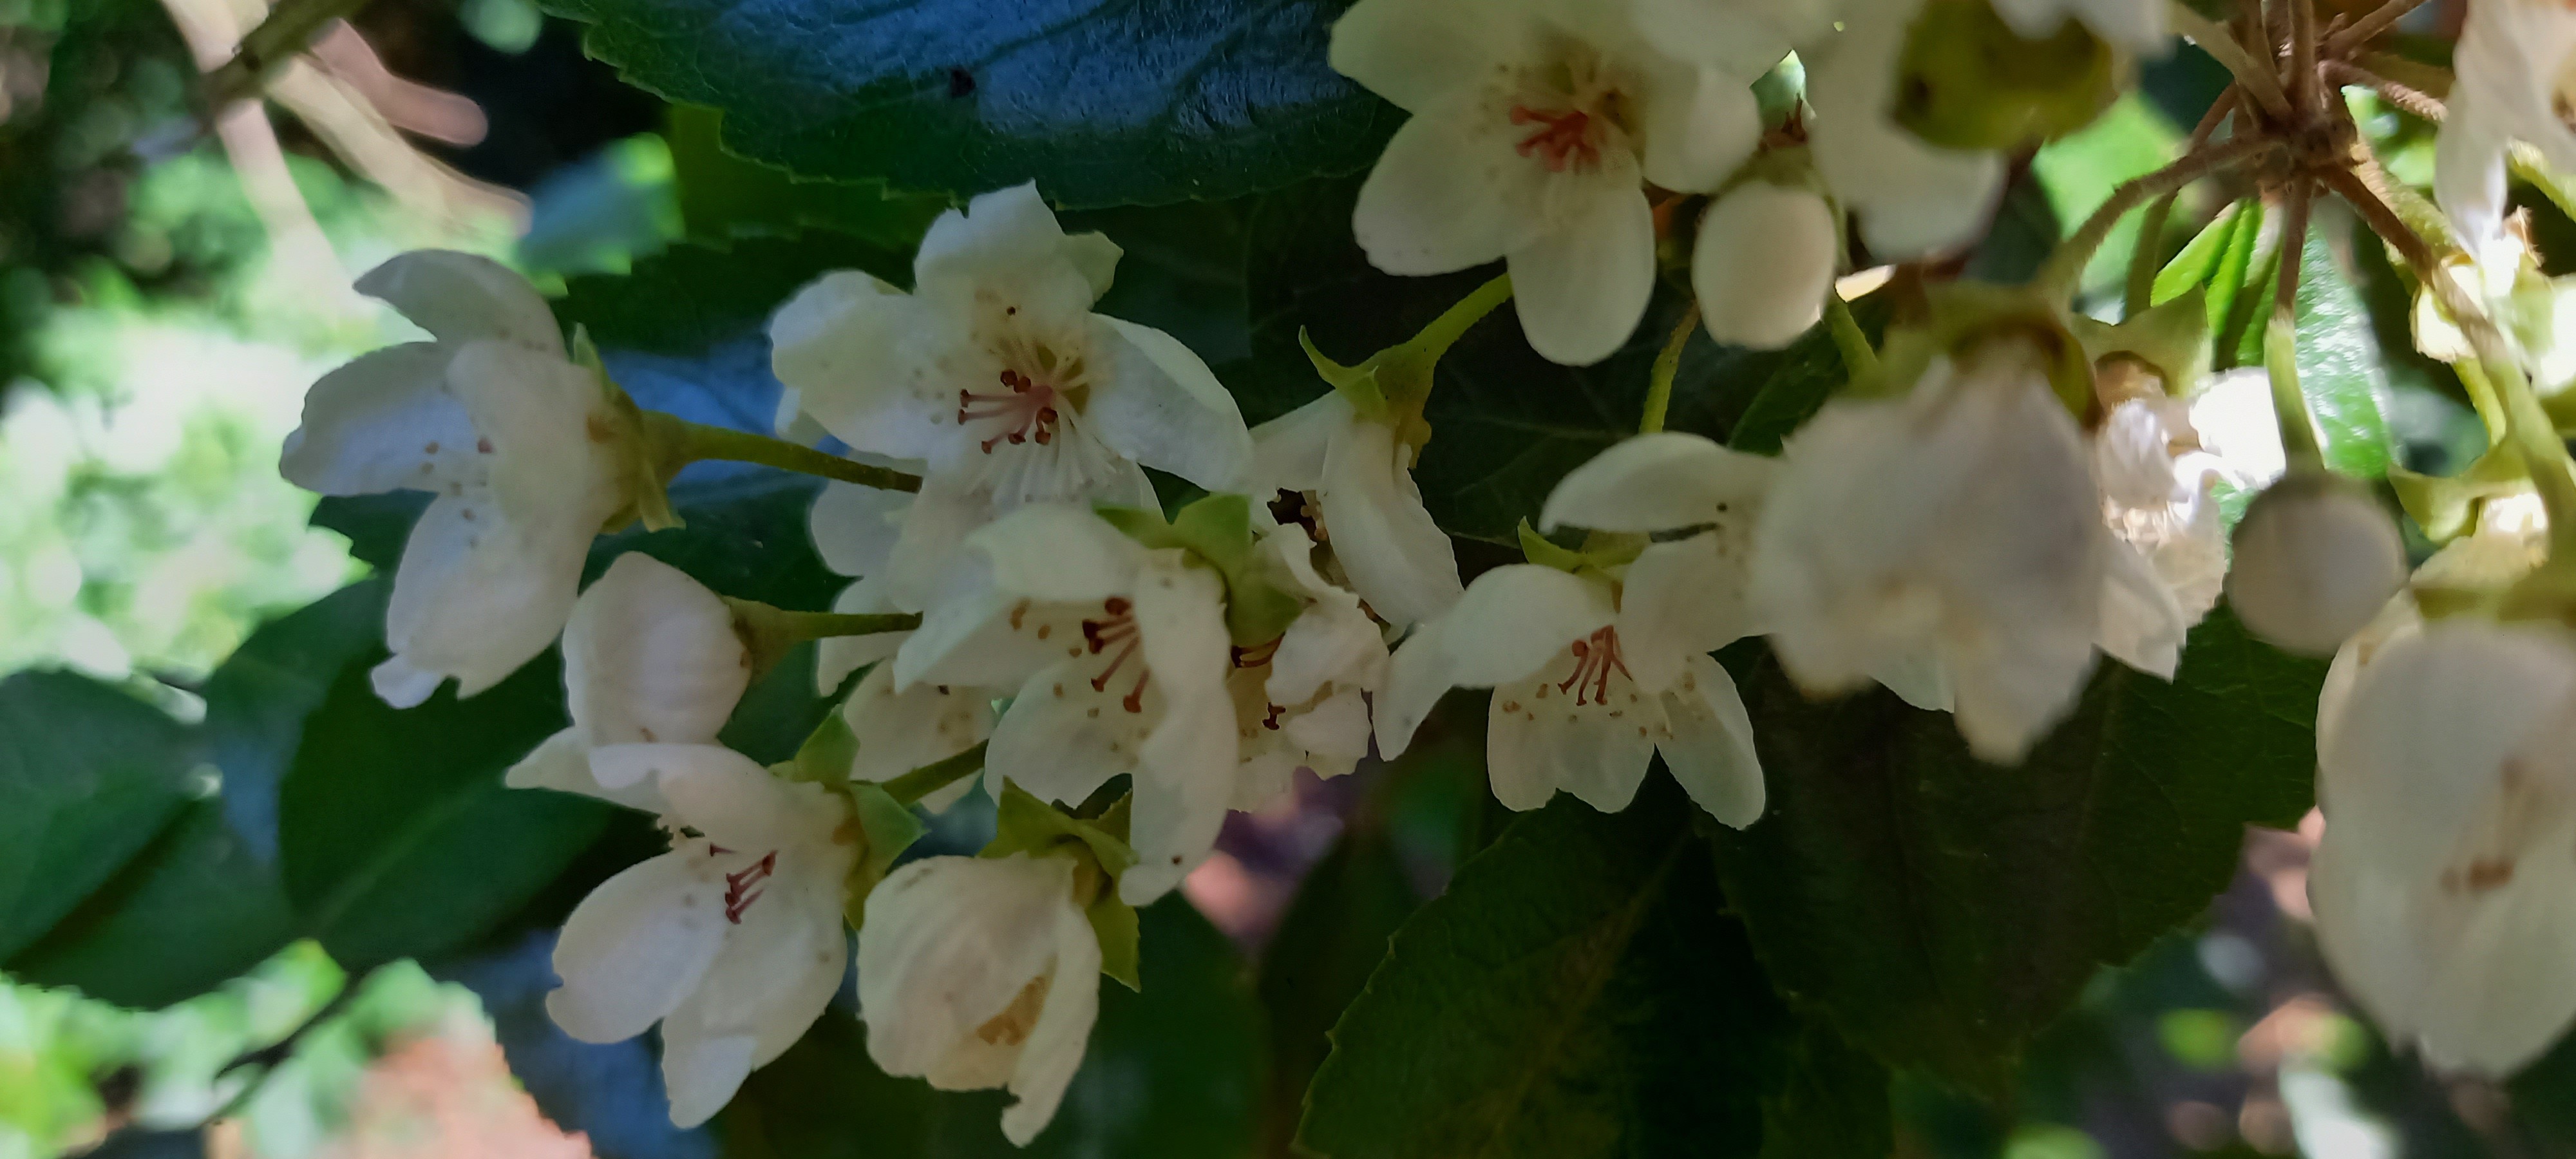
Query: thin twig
[
  {"x": 2067, "y": 264},
  {"x": 2281, "y": 338},
  {"x": 2409, "y": 100},
  {"x": 2381, "y": 19},
  {"x": 2384, "y": 221},
  {"x": 2258, "y": 79},
  {"x": 2303, "y": 56},
  {"x": 2147, "y": 259}
]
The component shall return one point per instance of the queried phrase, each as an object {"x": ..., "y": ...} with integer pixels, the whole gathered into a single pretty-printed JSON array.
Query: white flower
[
  {"x": 1764, "y": 263},
  {"x": 2444, "y": 892},
  {"x": 995, "y": 373},
  {"x": 516, "y": 442},
  {"x": 2513, "y": 66},
  {"x": 1739, "y": 37},
  {"x": 1119, "y": 655},
  {"x": 733, "y": 940},
  {"x": 2315, "y": 559},
  {"x": 2506, "y": 546},
  {"x": 650, "y": 656},
  {"x": 2160, "y": 462},
  {"x": 1673, "y": 482},
  {"x": 1590, "y": 682},
  {"x": 1958, "y": 526},
  {"x": 1534, "y": 125},
  {"x": 981, "y": 972},
  {"x": 1912, "y": 198},
  {"x": 1372, "y": 516},
  {"x": 1299, "y": 701},
  {"x": 855, "y": 529}
]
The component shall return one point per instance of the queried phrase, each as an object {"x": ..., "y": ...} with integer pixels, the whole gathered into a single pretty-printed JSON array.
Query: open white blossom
[
  {"x": 1957, "y": 526},
  {"x": 514, "y": 440},
  {"x": 996, "y": 374},
  {"x": 1535, "y": 125},
  {"x": 1119, "y": 655},
  {"x": 2513, "y": 64},
  {"x": 1763, "y": 264},
  {"x": 732, "y": 940},
  {"x": 1300, "y": 701},
  {"x": 650, "y": 656},
  {"x": 1669, "y": 483},
  {"x": 1371, "y": 513},
  {"x": 1592, "y": 676},
  {"x": 2160, "y": 462},
  {"x": 1912, "y": 198},
  {"x": 2444, "y": 893},
  {"x": 982, "y": 972}
]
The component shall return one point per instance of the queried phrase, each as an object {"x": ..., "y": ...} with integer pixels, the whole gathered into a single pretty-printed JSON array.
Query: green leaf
[
  {"x": 1943, "y": 910},
  {"x": 2079, "y": 172},
  {"x": 2216, "y": 260},
  {"x": 2340, "y": 364},
  {"x": 1833, "y": 1104},
  {"x": 88, "y": 776},
  {"x": 1101, "y": 103},
  {"x": 1799, "y": 386},
  {"x": 1331, "y": 938},
  {"x": 399, "y": 839},
  {"x": 722, "y": 195},
  {"x": 1506, "y": 423},
  {"x": 1578, "y": 991},
  {"x": 1171, "y": 1071}
]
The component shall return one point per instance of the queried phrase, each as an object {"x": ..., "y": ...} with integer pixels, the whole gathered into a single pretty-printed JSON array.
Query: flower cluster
[{"x": 2003, "y": 493}]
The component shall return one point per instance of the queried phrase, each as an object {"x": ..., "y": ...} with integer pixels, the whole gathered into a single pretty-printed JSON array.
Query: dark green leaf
[
  {"x": 2340, "y": 365},
  {"x": 1334, "y": 934},
  {"x": 1101, "y": 103},
  {"x": 88, "y": 776},
  {"x": 722, "y": 195},
  {"x": 398, "y": 837},
  {"x": 1944, "y": 910},
  {"x": 1832, "y": 1104},
  {"x": 1173, "y": 1070},
  {"x": 1578, "y": 991}
]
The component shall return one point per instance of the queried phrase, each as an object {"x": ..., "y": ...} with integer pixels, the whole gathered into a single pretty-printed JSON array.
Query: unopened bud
[
  {"x": 1763, "y": 264},
  {"x": 2315, "y": 559}
]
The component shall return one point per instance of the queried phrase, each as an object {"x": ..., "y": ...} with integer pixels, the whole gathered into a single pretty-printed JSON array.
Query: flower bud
[
  {"x": 2315, "y": 560},
  {"x": 1763, "y": 264}
]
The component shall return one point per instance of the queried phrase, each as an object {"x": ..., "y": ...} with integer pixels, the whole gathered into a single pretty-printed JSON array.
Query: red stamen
[
  {"x": 1120, "y": 629},
  {"x": 1028, "y": 410},
  {"x": 739, "y": 893},
  {"x": 1593, "y": 662},
  {"x": 1565, "y": 138}
]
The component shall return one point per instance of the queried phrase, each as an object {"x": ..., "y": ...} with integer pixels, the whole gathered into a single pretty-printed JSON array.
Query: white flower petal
[
  {"x": 562, "y": 763},
  {"x": 651, "y": 655},
  {"x": 637, "y": 946},
  {"x": 463, "y": 298},
  {"x": 840, "y": 344},
  {"x": 1711, "y": 749},
  {"x": 1532, "y": 754},
  {"x": 1053, "y": 1052},
  {"x": 1699, "y": 124},
  {"x": 384, "y": 421},
  {"x": 1660, "y": 482},
  {"x": 1158, "y": 403},
  {"x": 902, "y": 731},
  {"x": 1186, "y": 773},
  {"x": 700, "y": 1071},
  {"x": 1065, "y": 736},
  {"x": 1581, "y": 288},
  {"x": 1681, "y": 599},
  {"x": 1058, "y": 553},
  {"x": 1450, "y": 192},
  {"x": 1413, "y": 52},
  {"x": 1011, "y": 237},
  {"x": 1288, "y": 451},
  {"x": 855, "y": 528},
  {"x": 726, "y": 795},
  {"x": 474, "y": 600},
  {"x": 1397, "y": 558},
  {"x": 950, "y": 943}
]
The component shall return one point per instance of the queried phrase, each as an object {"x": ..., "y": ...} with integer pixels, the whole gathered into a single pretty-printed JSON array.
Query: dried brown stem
[
  {"x": 2066, "y": 264},
  {"x": 2410, "y": 100},
  {"x": 2259, "y": 78},
  {"x": 2381, "y": 19},
  {"x": 2309, "y": 97}
]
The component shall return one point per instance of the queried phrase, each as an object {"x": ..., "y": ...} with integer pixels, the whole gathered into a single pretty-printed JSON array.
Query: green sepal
[
  {"x": 2445, "y": 506},
  {"x": 1602, "y": 552},
  {"x": 1963, "y": 315},
  {"x": 2172, "y": 338},
  {"x": 1099, "y": 849},
  {"x": 1024, "y": 824},
  {"x": 1356, "y": 384},
  {"x": 645, "y": 448},
  {"x": 1113, "y": 922},
  {"x": 826, "y": 756},
  {"x": 1968, "y": 81},
  {"x": 1545, "y": 553},
  {"x": 768, "y": 633},
  {"x": 886, "y": 827},
  {"x": 1217, "y": 530}
]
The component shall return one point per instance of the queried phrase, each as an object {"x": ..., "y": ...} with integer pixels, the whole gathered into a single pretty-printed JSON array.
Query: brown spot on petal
[{"x": 1012, "y": 1026}]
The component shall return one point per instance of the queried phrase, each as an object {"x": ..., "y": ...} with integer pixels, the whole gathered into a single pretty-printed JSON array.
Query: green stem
[
  {"x": 2281, "y": 342},
  {"x": 2065, "y": 266},
  {"x": 1659, "y": 384},
  {"x": 931, "y": 778},
  {"x": 1445, "y": 330},
  {"x": 769, "y": 632},
  {"x": 1859, "y": 360},
  {"x": 705, "y": 442},
  {"x": 2482, "y": 398}
]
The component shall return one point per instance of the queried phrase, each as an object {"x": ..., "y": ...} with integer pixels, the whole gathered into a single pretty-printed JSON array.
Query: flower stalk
[{"x": 930, "y": 778}]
